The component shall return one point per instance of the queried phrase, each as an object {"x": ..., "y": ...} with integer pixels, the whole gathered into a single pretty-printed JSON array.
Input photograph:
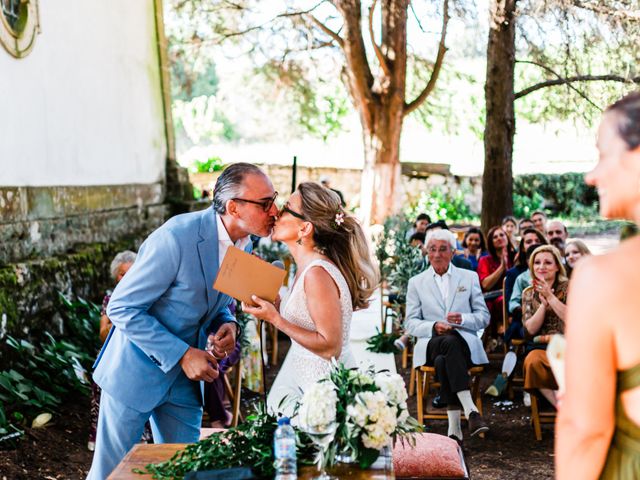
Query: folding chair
[{"x": 425, "y": 381}]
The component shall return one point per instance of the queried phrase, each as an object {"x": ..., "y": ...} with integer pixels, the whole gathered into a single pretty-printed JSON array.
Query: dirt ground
[{"x": 509, "y": 450}]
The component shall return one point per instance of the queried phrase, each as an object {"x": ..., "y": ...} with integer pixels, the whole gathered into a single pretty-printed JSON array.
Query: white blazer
[{"x": 425, "y": 307}]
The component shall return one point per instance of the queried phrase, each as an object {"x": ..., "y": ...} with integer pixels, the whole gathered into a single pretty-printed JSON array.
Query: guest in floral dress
[{"x": 543, "y": 313}]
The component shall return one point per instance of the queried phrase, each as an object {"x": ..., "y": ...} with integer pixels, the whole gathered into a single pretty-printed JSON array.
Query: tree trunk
[
  {"x": 497, "y": 180},
  {"x": 381, "y": 176}
]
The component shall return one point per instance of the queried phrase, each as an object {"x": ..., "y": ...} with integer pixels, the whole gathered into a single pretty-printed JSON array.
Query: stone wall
[
  {"x": 37, "y": 222},
  {"x": 62, "y": 239},
  {"x": 348, "y": 182}
]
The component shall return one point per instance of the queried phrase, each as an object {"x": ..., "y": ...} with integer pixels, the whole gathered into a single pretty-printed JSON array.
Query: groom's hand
[
  {"x": 224, "y": 340},
  {"x": 199, "y": 365}
]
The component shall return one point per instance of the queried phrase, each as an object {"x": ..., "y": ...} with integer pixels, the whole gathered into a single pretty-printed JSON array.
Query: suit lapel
[
  {"x": 454, "y": 281},
  {"x": 208, "y": 252}
]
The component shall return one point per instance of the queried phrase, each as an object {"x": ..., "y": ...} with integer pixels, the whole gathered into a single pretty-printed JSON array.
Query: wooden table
[{"x": 143, "y": 454}]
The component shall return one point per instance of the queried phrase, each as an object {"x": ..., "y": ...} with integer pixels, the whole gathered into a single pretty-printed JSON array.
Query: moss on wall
[{"x": 29, "y": 290}]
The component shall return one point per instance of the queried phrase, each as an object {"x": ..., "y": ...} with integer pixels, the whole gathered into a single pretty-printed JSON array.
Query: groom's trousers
[{"x": 176, "y": 419}]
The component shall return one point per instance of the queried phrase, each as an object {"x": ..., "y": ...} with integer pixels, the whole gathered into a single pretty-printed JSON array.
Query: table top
[{"x": 143, "y": 454}]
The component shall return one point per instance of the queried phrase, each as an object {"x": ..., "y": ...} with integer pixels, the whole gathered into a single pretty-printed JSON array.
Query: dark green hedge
[{"x": 561, "y": 194}]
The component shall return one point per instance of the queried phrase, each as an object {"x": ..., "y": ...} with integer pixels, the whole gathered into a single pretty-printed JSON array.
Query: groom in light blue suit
[{"x": 154, "y": 360}]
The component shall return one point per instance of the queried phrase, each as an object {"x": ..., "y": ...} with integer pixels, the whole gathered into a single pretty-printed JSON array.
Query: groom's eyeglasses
[
  {"x": 264, "y": 204},
  {"x": 286, "y": 209}
]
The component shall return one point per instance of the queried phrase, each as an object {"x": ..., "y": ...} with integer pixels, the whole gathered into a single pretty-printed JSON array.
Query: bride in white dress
[{"x": 335, "y": 276}]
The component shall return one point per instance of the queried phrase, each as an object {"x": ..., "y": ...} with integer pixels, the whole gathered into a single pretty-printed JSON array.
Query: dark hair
[
  {"x": 522, "y": 220},
  {"x": 492, "y": 250},
  {"x": 509, "y": 218},
  {"x": 423, "y": 216},
  {"x": 345, "y": 244},
  {"x": 229, "y": 183},
  {"x": 477, "y": 231},
  {"x": 418, "y": 236},
  {"x": 542, "y": 240},
  {"x": 627, "y": 111},
  {"x": 439, "y": 224},
  {"x": 538, "y": 212}
]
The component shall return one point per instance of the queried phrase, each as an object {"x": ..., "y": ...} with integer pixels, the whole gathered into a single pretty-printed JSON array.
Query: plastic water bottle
[{"x": 284, "y": 449}]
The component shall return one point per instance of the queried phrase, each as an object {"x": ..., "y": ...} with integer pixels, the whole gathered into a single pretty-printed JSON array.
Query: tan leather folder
[{"x": 242, "y": 275}]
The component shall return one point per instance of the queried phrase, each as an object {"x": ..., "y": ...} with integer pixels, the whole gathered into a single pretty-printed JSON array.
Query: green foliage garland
[{"x": 250, "y": 443}]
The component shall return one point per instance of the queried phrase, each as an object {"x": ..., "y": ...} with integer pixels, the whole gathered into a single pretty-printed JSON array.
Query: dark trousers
[{"x": 450, "y": 356}]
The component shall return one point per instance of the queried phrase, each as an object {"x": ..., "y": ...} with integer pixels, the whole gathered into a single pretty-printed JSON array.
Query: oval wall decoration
[{"x": 19, "y": 25}]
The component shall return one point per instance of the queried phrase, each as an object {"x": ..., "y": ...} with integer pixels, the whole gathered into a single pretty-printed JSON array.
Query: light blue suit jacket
[
  {"x": 425, "y": 307},
  {"x": 161, "y": 307}
]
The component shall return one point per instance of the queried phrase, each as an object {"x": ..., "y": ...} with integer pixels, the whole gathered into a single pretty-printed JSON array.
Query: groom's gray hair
[
  {"x": 443, "y": 235},
  {"x": 229, "y": 184}
]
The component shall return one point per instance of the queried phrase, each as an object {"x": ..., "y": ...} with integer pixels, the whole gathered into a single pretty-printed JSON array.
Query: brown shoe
[{"x": 477, "y": 424}]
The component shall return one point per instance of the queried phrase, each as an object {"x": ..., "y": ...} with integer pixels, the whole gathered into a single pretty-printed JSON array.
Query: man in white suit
[{"x": 447, "y": 313}]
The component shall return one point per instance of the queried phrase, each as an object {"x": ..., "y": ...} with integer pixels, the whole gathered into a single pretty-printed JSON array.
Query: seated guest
[
  {"x": 530, "y": 237},
  {"x": 216, "y": 403},
  {"x": 445, "y": 312},
  {"x": 458, "y": 261},
  {"x": 574, "y": 250},
  {"x": 492, "y": 269},
  {"x": 514, "y": 327},
  {"x": 417, "y": 239},
  {"x": 420, "y": 225},
  {"x": 474, "y": 247},
  {"x": 524, "y": 224},
  {"x": 510, "y": 225},
  {"x": 539, "y": 219},
  {"x": 120, "y": 265},
  {"x": 543, "y": 313},
  {"x": 557, "y": 235}
]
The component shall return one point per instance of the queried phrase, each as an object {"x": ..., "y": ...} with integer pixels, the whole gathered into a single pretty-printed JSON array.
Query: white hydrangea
[
  {"x": 318, "y": 406},
  {"x": 360, "y": 377},
  {"x": 392, "y": 385},
  {"x": 375, "y": 437},
  {"x": 404, "y": 415},
  {"x": 357, "y": 414}
]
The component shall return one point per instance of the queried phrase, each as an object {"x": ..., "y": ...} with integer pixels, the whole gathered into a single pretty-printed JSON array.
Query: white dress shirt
[
  {"x": 442, "y": 281},
  {"x": 224, "y": 241}
]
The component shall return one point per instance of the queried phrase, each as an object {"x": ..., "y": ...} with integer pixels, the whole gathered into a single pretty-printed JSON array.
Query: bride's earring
[{"x": 299, "y": 241}]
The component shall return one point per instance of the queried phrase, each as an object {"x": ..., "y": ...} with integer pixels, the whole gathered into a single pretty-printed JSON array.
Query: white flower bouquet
[{"x": 368, "y": 410}]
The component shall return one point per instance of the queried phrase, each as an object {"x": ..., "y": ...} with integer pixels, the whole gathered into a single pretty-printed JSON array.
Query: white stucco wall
[{"x": 85, "y": 107}]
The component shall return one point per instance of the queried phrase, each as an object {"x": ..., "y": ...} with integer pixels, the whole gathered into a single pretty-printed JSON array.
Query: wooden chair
[
  {"x": 517, "y": 379},
  {"x": 539, "y": 417},
  {"x": 271, "y": 329},
  {"x": 425, "y": 380},
  {"x": 234, "y": 391}
]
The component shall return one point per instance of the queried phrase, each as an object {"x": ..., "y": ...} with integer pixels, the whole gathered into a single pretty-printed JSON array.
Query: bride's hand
[{"x": 264, "y": 310}]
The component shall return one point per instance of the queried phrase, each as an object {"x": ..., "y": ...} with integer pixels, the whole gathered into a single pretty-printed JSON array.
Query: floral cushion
[{"x": 434, "y": 456}]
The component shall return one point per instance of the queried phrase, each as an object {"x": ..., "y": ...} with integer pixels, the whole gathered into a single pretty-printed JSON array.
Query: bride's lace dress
[{"x": 302, "y": 367}]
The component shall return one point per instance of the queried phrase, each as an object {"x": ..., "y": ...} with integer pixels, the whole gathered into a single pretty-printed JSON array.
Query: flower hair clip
[{"x": 338, "y": 220}]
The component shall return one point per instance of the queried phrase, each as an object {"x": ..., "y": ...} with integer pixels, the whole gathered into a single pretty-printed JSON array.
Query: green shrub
[
  {"x": 441, "y": 205},
  {"x": 213, "y": 164},
  {"x": 39, "y": 375},
  {"x": 560, "y": 194}
]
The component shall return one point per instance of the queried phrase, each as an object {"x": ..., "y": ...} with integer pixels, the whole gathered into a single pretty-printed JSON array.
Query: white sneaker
[
  {"x": 91, "y": 446},
  {"x": 399, "y": 344},
  {"x": 526, "y": 399},
  {"x": 509, "y": 363}
]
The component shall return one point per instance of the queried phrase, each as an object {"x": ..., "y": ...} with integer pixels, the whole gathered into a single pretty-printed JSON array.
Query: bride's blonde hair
[{"x": 341, "y": 238}]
